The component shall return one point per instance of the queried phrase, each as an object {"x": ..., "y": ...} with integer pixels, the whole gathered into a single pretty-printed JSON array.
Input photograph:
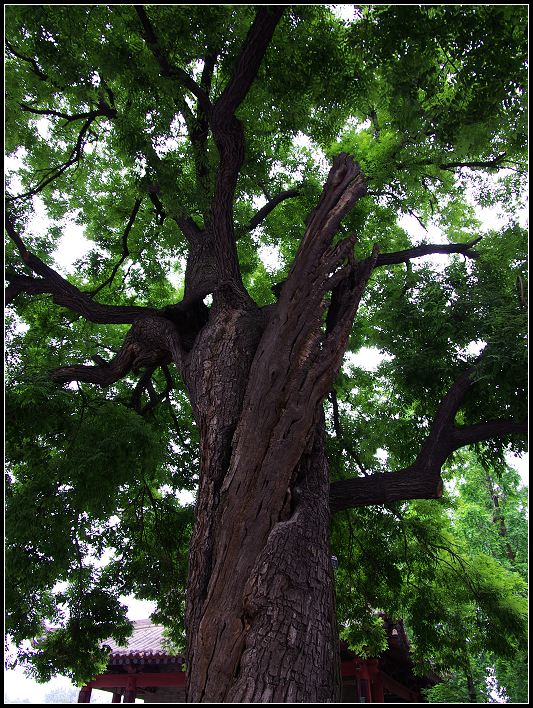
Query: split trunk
[{"x": 260, "y": 619}]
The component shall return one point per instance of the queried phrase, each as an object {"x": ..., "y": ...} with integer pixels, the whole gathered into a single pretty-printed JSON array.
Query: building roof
[{"x": 146, "y": 645}]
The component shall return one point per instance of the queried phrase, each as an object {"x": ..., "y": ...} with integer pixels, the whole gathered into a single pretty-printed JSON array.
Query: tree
[
  {"x": 175, "y": 136},
  {"x": 62, "y": 695},
  {"x": 480, "y": 512}
]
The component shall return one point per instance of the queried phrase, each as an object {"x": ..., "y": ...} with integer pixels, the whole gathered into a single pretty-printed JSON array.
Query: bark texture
[
  {"x": 289, "y": 608},
  {"x": 264, "y": 475}
]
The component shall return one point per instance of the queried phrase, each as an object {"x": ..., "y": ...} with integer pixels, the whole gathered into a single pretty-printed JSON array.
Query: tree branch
[
  {"x": 346, "y": 444},
  {"x": 103, "y": 110},
  {"x": 125, "y": 250},
  {"x": 422, "y": 479},
  {"x": 30, "y": 60},
  {"x": 269, "y": 206},
  {"x": 228, "y": 134},
  {"x": 198, "y": 130},
  {"x": 495, "y": 163},
  {"x": 152, "y": 341},
  {"x": 471, "y": 434},
  {"x": 146, "y": 384},
  {"x": 401, "y": 205},
  {"x": 167, "y": 70},
  {"x": 74, "y": 157},
  {"x": 383, "y": 488},
  {"x": 248, "y": 62},
  {"x": 418, "y": 251},
  {"x": 63, "y": 292}
]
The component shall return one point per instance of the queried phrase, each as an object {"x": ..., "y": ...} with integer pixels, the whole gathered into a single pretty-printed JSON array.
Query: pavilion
[{"x": 145, "y": 669}]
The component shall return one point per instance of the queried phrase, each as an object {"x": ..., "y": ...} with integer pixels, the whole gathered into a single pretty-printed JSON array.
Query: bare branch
[
  {"x": 104, "y": 110},
  {"x": 418, "y": 251},
  {"x": 471, "y": 434},
  {"x": 346, "y": 444},
  {"x": 402, "y": 206},
  {"x": 146, "y": 384},
  {"x": 495, "y": 163},
  {"x": 125, "y": 250},
  {"x": 140, "y": 388},
  {"x": 408, "y": 483}
]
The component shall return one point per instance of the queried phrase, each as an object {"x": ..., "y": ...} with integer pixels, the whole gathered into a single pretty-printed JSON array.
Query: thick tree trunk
[
  {"x": 291, "y": 645},
  {"x": 260, "y": 615},
  {"x": 268, "y": 633}
]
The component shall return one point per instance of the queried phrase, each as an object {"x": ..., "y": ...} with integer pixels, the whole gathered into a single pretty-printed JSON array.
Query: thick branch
[
  {"x": 471, "y": 434},
  {"x": 63, "y": 292},
  {"x": 152, "y": 341},
  {"x": 409, "y": 483},
  {"x": 422, "y": 480},
  {"x": 228, "y": 134},
  {"x": 146, "y": 384},
  {"x": 425, "y": 250},
  {"x": 249, "y": 60}
]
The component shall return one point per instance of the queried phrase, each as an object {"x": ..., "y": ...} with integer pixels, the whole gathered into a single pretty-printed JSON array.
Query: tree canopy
[{"x": 113, "y": 114}]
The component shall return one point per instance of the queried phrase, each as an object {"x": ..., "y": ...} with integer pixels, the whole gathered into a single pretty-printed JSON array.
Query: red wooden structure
[{"x": 144, "y": 669}]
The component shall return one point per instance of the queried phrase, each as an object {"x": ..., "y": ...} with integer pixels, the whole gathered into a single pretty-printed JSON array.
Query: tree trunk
[
  {"x": 260, "y": 615},
  {"x": 260, "y": 604},
  {"x": 291, "y": 643}
]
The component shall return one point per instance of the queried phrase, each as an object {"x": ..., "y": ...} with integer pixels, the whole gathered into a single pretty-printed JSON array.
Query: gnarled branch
[
  {"x": 63, "y": 292},
  {"x": 152, "y": 341},
  {"x": 422, "y": 479}
]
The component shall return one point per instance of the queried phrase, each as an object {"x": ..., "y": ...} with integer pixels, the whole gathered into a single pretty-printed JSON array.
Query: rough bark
[
  {"x": 251, "y": 462},
  {"x": 291, "y": 647}
]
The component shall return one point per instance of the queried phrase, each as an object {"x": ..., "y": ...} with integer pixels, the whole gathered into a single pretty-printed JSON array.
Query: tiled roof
[{"x": 146, "y": 645}]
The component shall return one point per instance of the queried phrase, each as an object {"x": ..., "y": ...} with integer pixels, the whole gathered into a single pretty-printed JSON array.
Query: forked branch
[
  {"x": 63, "y": 292},
  {"x": 422, "y": 479}
]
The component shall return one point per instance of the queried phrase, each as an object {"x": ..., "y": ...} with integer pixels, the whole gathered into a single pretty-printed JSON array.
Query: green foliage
[
  {"x": 444, "y": 568},
  {"x": 431, "y": 100}
]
